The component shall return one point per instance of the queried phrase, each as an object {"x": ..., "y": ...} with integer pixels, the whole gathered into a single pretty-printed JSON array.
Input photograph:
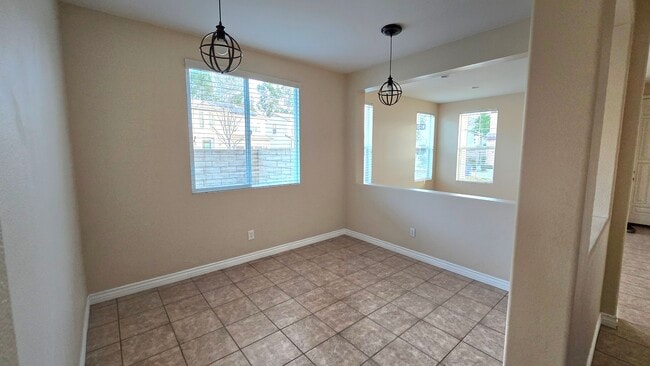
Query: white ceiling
[
  {"x": 341, "y": 35},
  {"x": 497, "y": 78}
]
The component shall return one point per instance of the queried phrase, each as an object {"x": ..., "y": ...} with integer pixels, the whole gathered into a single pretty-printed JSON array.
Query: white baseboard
[
  {"x": 197, "y": 271},
  {"x": 593, "y": 341},
  {"x": 609, "y": 321},
  {"x": 451, "y": 267},
  {"x": 133, "y": 288},
  {"x": 82, "y": 352}
]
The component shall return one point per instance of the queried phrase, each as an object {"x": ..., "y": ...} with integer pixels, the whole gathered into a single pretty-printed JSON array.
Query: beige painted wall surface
[
  {"x": 393, "y": 142},
  {"x": 37, "y": 204},
  {"x": 626, "y": 156},
  {"x": 604, "y": 149},
  {"x": 387, "y": 213},
  {"x": 552, "y": 321},
  {"x": 129, "y": 129},
  {"x": 613, "y": 113},
  {"x": 508, "y": 151}
]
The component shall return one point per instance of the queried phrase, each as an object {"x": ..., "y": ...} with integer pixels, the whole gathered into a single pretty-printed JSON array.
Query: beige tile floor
[
  {"x": 337, "y": 302},
  {"x": 630, "y": 343}
]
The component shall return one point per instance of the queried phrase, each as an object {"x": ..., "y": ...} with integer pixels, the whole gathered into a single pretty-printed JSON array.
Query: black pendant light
[
  {"x": 390, "y": 91},
  {"x": 219, "y": 50}
]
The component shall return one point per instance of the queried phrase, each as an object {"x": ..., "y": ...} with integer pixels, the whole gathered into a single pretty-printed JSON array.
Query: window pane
[
  {"x": 477, "y": 146},
  {"x": 274, "y": 134},
  {"x": 244, "y": 132},
  {"x": 367, "y": 144},
  {"x": 424, "y": 140}
]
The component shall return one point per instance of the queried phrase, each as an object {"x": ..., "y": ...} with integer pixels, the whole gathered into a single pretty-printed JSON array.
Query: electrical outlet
[
  {"x": 251, "y": 234},
  {"x": 412, "y": 232}
]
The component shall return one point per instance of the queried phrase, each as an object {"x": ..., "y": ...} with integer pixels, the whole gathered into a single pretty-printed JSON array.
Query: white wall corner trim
[
  {"x": 451, "y": 267},
  {"x": 610, "y": 321},
  {"x": 82, "y": 352},
  {"x": 133, "y": 288},
  {"x": 592, "y": 350}
]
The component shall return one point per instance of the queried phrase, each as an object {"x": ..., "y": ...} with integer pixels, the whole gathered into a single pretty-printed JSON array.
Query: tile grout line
[
  {"x": 475, "y": 325},
  {"x": 119, "y": 331},
  {"x": 614, "y": 356},
  {"x": 343, "y": 277},
  {"x": 178, "y": 342},
  {"x": 628, "y": 340},
  {"x": 422, "y": 319}
]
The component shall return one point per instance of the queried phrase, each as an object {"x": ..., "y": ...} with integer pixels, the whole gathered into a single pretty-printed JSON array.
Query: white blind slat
[
  {"x": 424, "y": 141},
  {"x": 477, "y": 140},
  {"x": 367, "y": 143}
]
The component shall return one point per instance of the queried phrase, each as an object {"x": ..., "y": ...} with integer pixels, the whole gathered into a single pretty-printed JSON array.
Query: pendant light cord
[
  {"x": 390, "y": 59},
  {"x": 219, "y": 11}
]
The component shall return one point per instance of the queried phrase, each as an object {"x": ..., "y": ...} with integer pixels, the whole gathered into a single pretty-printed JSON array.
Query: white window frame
[
  {"x": 459, "y": 149},
  {"x": 431, "y": 151},
  {"x": 194, "y": 64}
]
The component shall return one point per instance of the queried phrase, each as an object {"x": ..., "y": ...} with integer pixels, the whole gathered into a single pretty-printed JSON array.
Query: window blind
[
  {"x": 252, "y": 127},
  {"x": 477, "y": 140},
  {"x": 367, "y": 143},
  {"x": 424, "y": 146}
]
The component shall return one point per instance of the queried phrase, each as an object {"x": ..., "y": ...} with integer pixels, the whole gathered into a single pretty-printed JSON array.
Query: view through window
[
  {"x": 367, "y": 144},
  {"x": 424, "y": 146},
  {"x": 477, "y": 139},
  {"x": 244, "y": 132}
]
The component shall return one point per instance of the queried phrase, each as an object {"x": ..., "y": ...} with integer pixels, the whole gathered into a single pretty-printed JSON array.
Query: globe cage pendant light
[
  {"x": 390, "y": 91},
  {"x": 219, "y": 50}
]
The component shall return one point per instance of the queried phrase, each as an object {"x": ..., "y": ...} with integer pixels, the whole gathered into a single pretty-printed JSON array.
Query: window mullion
[{"x": 247, "y": 133}]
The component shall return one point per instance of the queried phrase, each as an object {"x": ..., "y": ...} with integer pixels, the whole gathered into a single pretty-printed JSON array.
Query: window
[
  {"x": 367, "y": 144},
  {"x": 424, "y": 140},
  {"x": 230, "y": 149},
  {"x": 207, "y": 144},
  {"x": 477, "y": 140}
]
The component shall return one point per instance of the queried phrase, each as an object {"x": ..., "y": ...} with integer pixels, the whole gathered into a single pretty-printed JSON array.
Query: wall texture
[
  {"x": 37, "y": 203},
  {"x": 626, "y": 156},
  {"x": 393, "y": 141},
  {"x": 440, "y": 218},
  {"x": 128, "y": 117},
  {"x": 508, "y": 151},
  {"x": 552, "y": 322},
  {"x": 604, "y": 149}
]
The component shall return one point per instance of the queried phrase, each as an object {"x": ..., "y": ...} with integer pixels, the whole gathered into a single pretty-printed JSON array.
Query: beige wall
[
  {"x": 625, "y": 165},
  {"x": 508, "y": 149},
  {"x": 604, "y": 148},
  {"x": 393, "y": 141},
  {"x": 37, "y": 204},
  {"x": 553, "y": 321},
  {"x": 440, "y": 218},
  {"x": 128, "y": 117},
  {"x": 613, "y": 113}
]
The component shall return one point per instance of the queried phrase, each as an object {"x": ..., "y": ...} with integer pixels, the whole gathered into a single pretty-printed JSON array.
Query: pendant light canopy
[
  {"x": 219, "y": 50},
  {"x": 390, "y": 92}
]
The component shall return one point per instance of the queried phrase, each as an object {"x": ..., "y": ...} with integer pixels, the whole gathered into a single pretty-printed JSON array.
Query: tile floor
[
  {"x": 630, "y": 343},
  {"x": 337, "y": 302}
]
